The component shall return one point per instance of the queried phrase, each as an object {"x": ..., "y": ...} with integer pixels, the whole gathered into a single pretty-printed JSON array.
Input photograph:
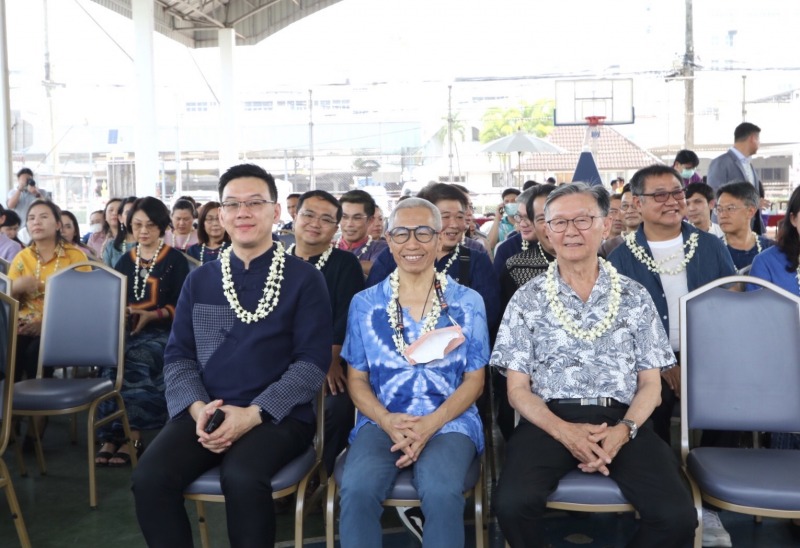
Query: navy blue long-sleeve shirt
[{"x": 278, "y": 363}]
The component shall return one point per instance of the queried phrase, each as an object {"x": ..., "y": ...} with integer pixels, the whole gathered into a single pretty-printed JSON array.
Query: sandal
[
  {"x": 101, "y": 458},
  {"x": 124, "y": 456}
]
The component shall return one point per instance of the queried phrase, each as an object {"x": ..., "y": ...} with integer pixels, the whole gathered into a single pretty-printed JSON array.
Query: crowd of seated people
[{"x": 400, "y": 318}]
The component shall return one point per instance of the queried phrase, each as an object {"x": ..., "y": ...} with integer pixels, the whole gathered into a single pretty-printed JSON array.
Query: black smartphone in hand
[{"x": 215, "y": 420}]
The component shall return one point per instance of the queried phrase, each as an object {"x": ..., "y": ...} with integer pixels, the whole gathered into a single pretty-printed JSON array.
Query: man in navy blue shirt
[{"x": 252, "y": 336}]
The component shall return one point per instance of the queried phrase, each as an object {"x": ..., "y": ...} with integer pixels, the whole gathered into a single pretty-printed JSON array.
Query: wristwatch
[{"x": 630, "y": 424}]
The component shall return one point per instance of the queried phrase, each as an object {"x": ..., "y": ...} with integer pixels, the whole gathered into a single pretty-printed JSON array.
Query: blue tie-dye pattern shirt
[{"x": 417, "y": 389}]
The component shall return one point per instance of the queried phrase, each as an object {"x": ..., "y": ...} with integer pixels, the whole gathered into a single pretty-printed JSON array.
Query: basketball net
[{"x": 592, "y": 133}]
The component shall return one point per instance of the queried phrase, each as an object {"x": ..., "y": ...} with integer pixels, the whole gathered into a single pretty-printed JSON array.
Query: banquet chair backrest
[
  {"x": 741, "y": 357},
  {"x": 84, "y": 317},
  {"x": 8, "y": 343},
  {"x": 5, "y": 284}
]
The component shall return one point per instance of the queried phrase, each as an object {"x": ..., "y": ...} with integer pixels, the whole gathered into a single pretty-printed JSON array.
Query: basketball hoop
[{"x": 595, "y": 120}]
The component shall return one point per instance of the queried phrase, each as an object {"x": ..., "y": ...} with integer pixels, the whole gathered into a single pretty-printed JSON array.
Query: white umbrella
[{"x": 520, "y": 142}]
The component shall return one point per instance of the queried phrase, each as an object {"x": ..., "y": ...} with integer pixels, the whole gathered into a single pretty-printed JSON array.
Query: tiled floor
[{"x": 56, "y": 511}]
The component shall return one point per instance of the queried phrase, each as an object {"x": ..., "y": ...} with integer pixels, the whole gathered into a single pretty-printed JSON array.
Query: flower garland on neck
[
  {"x": 755, "y": 237},
  {"x": 562, "y": 314},
  {"x": 544, "y": 256},
  {"x": 203, "y": 250},
  {"x": 272, "y": 287},
  {"x": 658, "y": 267},
  {"x": 431, "y": 318},
  {"x": 321, "y": 261},
  {"x": 451, "y": 260},
  {"x": 140, "y": 271},
  {"x": 58, "y": 251},
  {"x": 364, "y": 249},
  {"x": 185, "y": 243},
  {"x": 525, "y": 244}
]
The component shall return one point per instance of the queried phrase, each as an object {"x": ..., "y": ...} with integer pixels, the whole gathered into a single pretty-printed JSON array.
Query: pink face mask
[{"x": 434, "y": 345}]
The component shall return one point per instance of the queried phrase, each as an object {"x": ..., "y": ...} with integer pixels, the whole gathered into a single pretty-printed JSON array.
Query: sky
[{"x": 397, "y": 41}]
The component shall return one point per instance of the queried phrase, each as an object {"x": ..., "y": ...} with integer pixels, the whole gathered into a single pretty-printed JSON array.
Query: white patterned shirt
[{"x": 532, "y": 341}]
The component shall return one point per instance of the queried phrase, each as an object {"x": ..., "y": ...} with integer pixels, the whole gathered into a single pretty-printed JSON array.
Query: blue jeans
[{"x": 370, "y": 473}]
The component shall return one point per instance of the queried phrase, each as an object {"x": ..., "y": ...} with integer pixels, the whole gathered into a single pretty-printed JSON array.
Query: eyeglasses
[
  {"x": 728, "y": 209},
  {"x": 401, "y": 234},
  {"x": 584, "y": 222},
  {"x": 662, "y": 197},
  {"x": 233, "y": 206},
  {"x": 519, "y": 218},
  {"x": 355, "y": 218},
  {"x": 310, "y": 217}
]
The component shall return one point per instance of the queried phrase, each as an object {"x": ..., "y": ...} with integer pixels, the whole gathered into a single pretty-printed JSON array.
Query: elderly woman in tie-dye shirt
[{"x": 415, "y": 389}]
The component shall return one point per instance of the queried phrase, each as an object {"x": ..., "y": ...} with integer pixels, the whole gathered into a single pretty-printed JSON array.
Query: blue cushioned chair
[
  {"x": 5, "y": 284},
  {"x": 740, "y": 371},
  {"x": 83, "y": 325},
  {"x": 292, "y": 478},
  {"x": 405, "y": 494},
  {"x": 4, "y": 266},
  {"x": 8, "y": 347}
]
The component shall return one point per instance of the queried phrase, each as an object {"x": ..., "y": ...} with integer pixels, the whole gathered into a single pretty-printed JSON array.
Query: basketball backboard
[{"x": 576, "y": 100}]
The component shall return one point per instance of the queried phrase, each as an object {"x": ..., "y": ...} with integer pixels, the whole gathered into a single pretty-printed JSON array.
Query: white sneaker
[
  {"x": 714, "y": 534},
  {"x": 413, "y": 519}
]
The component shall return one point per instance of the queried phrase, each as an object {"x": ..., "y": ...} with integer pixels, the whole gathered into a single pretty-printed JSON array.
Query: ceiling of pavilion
[{"x": 195, "y": 22}]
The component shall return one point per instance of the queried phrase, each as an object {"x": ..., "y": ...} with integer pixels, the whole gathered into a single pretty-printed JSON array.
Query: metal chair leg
[
  {"x": 13, "y": 504},
  {"x": 202, "y": 524}
]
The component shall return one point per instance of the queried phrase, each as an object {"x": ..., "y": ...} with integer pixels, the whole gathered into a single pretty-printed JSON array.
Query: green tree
[
  {"x": 458, "y": 129},
  {"x": 536, "y": 118}
]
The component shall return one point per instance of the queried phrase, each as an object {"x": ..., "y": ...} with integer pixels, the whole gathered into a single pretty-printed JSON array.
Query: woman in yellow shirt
[{"x": 47, "y": 253}]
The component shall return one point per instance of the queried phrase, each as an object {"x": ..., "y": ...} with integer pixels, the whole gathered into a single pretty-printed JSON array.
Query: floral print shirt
[{"x": 532, "y": 341}]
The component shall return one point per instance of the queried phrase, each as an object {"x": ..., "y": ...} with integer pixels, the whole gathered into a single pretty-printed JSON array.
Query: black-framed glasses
[
  {"x": 233, "y": 206},
  {"x": 401, "y": 234},
  {"x": 310, "y": 217},
  {"x": 583, "y": 222},
  {"x": 662, "y": 197}
]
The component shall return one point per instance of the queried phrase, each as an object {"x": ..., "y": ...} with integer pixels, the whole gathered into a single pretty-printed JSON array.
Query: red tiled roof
[{"x": 614, "y": 152}]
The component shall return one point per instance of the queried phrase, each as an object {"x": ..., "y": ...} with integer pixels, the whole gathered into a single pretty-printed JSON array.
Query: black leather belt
[{"x": 602, "y": 402}]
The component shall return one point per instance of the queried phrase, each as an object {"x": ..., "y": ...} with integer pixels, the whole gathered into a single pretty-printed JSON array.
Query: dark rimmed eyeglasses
[
  {"x": 662, "y": 197},
  {"x": 422, "y": 233}
]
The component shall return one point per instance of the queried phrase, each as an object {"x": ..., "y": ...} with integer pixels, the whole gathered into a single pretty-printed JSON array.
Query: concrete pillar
[
  {"x": 6, "y": 172},
  {"x": 228, "y": 143},
  {"x": 147, "y": 174}
]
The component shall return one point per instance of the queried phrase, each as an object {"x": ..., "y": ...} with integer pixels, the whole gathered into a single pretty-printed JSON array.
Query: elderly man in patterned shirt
[{"x": 583, "y": 348}]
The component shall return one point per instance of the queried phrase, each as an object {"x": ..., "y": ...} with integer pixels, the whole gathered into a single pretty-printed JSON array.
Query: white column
[
  {"x": 6, "y": 172},
  {"x": 146, "y": 132},
  {"x": 228, "y": 144}
]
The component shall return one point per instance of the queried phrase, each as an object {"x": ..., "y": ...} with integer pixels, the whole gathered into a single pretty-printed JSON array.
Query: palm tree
[{"x": 536, "y": 118}]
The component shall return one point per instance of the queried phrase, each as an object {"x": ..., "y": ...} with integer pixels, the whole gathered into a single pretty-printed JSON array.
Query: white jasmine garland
[
  {"x": 431, "y": 318},
  {"x": 139, "y": 295},
  {"x": 541, "y": 250},
  {"x": 525, "y": 244},
  {"x": 452, "y": 258},
  {"x": 322, "y": 260},
  {"x": 365, "y": 248},
  {"x": 755, "y": 237},
  {"x": 658, "y": 267},
  {"x": 272, "y": 288},
  {"x": 203, "y": 251},
  {"x": 562, "y": 314}
]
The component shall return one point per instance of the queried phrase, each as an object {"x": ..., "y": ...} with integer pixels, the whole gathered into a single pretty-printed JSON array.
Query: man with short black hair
[
  {"x": 735, "y": 166},
  {"x": 670, "y": 258},
  {"x": 358, "y": 212},
  {"x": 614, "y": 238},
  {"x": 503, "y": 223},
  {"x": 699, "y": 203},
  {"x": 737, "y": 203},
  {"x": 252, "y": 337},
  {"x": 22, "y": 196},
  {"x": 316, "y": 221},
  {"x": 291, "y": 208}
]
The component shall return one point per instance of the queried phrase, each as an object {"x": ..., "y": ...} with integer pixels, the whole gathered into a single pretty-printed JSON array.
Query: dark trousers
[
  {"x": 645, "y": 469},
  {"x": 175, "y": 459},
  {"x": 28, "y": 358},
  {"x": 339, "y": 421}
]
